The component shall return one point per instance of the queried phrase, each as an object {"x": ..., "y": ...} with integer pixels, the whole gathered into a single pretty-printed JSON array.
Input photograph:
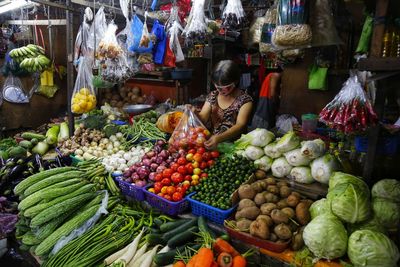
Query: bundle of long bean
[{"x": 140, "y": 129}]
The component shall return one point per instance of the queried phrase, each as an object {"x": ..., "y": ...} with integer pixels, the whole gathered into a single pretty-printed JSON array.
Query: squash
[{"x": 168, "y": 121}]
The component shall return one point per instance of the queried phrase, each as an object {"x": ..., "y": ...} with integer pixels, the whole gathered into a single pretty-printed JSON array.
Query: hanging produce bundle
[
  {"x": 350, "y": 111},
  {"x": 174, "y": 29},
  {"x": 30, "y": 57},
  {"x": 267, "y": 30},
  {"x": 196, "y": 27},
  {"x": 233, "y": 16},
  {"x": 292, "y": 29}
]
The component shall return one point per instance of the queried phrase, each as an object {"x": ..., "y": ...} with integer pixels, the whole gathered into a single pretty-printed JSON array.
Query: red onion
[
  {"x": 150, "y": 154},
  {"x": 146, "y": 162},
  {"x": 164, "y": 154},
  {"x": 182, "y": 152},
  {"x": 127, "y": 173},
  {"x": 134, "y": 176},
  {"x": 152, "y": 176},
  {"x": 160, "y": 169},
  {"x": 129, "y": 180},
  {"x": 168, "y": 161},
  {"x": 153, "y": 167},
  {"x": 143, "y": 172},
  {"x": 140, "y": 183},
  {"x": 157, "y": 149},
  {"x": 160, "y": 142},
  {"x": 159, "y": 160}
]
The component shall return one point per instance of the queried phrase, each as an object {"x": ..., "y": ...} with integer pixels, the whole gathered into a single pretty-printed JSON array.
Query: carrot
[
  {"x": 221, "y": 245},
  {"x": 224, "y": 259},
  {"x": 239, "y": 261},
  {"x": 192, "y": 261},
  {"x": 205, "y": 258},
  {"x": 179, "y": 264}
]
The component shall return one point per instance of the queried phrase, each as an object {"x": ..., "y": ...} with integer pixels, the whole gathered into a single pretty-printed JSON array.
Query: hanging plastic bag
[
  {"x": 365, "y": 38},
  {"x": 108, "y": 46},
  {"x": 169, "y": 59},
  {"x": 174, "y": 30},
  {"x": 47, "y": 87},
  {"x": 317, "y": 78},
  {"x": 82, "y": 37},
  {"x": 13, "y": 91},
  {"x": 83, "y": 96},
  {"x": 125, "y": 37},
  {"x": 189, "y": 133},
  {"x": 97, "y": 29},
  {"x": 158, "y": 31},
  {"x": 233, "y": 16},
  {"x": 196, "y": 26},
  {"x": 267, "y": 30},
  {"x": 137, "y": 31}
]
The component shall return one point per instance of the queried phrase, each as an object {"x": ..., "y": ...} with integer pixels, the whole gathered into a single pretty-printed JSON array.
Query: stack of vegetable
[
  {"x": 348, "y": 201},
  {"x": 269, "y": 209},
  {"x": 6, "y": 145},
  {"x": 142, "y": 130},
  {"x": 119, "y": 162},
  {"x": 54, "y": 203},
  {"x": 124, "y": 96}
]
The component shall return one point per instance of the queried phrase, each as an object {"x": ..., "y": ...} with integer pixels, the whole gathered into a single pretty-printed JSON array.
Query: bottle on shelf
[
  {"x": 343, "y": 158},
  {"x": 387, "y": 42}
]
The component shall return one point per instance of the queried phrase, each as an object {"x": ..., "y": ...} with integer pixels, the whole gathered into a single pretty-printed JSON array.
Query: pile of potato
[
  {"x": 271, "y": 210},
  {"x": 124, "y": 96}
]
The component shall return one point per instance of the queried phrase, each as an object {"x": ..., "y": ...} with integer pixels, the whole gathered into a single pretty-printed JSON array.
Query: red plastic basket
[
  {"x": 130, "y": 191},
  {"x": 164, "y": 205}
]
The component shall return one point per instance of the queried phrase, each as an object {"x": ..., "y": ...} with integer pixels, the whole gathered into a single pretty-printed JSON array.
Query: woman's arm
[
  {"x": 233, "y": 132},
  {"x": 205, "y": 112}
]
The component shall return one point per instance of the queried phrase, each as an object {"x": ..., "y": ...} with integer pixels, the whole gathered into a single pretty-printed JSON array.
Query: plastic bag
[
  {"x": 97, "y": 29},
  {"x": 351, "y": 110},
  {"x": 47, "y": 87},
  {"x": 13, "y": 91},
  {"x": 285, "y": 122},
  {"x": 196, "y": 26},
  {"x": 233, "y": 16},
  {"x": 108, "y": 46},
  {"x": 174, "y": 30},
  {"x": 137, "y": 31},
  {"x": 83, "y": 96},
  {"x": 365, "y": 38},
  {"x": 82, "y": 37},
  {"x": 189, "y": 133},
  {"x": 267, "y": 30},
  {"x": 169, "y": 59},
  {"x": 158, "y": 31},
  {"x": 317, "y": 78}
]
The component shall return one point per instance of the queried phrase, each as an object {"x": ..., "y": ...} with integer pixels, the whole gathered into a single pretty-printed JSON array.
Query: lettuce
[
  {"x": 270, "y": 151},
  {"x": 319, "y": 207},
  {"x": 323, "y": 167}
]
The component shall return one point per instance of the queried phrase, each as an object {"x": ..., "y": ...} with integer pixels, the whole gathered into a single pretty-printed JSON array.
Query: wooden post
[
  {"x": 70, "y": 67},
  {"x": 379, "y": 27}
]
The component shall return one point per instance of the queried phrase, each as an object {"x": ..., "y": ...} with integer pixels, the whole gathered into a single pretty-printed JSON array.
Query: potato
[
  {"x": 266, "y": 208},
  {"x": 308, "y": 202},
  {"x": 297, "y": 241},
  {"x": 273, "y": 237},
  {"x": 293, "y": 200},
  {"x": 270, "y": 181},
  {"x": 259, "y": 199},
  {"x": 282, "y": 204},
  {"x": 273, "y": 189},
  {"x": 249, "y": 213},
  {"x": 279, "y": 217},
  {"x": 120, "y": 104},
  {"x": 259, "y": 228},
  {"x": 289, "y": 212},
  {"x": 296, "y": 194},
  {"x": 282, "y": 183},
  {"x": 260, "y": 174},
  {"x": 282, "y": 231},
  {"x": 246, "y": 191},
  {"x": 263, "y": 184},
  {"x": 116, "y": 97},
  {"x": 267, "y": 219},
  {"x": 302, "y": 213},
  {"x": 284, "y": 191},
  {"x": 245, "y": 203},
  {"x": 257, "y": 187},
  {"x": 271, "y": 198},
  {"x": 243, "y": 225}
]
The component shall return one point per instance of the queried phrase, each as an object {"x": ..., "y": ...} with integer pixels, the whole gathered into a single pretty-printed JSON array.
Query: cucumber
[
  {"x": 154, "y": 239},
  {"x": 29, "y": 136},
  {"x": 183, "y": 238},
  {"x": 166, "y": 258},
  {"x": 26, "y": 144},
  {"x": 172, "y": 225},
  {"x": 203, "y": 227},
  {"x": 168, "y": 235},
  {"x": 158, "y": 222}
]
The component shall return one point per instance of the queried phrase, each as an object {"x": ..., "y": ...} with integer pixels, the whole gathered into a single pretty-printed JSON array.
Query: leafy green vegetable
[
  {"x": 319, "y": 207},
  {"x": 288, "y": 142},
  {"x": 344, "y": 178},
  {"x": 258, "y": 137},
  {"x": 388, "y": 189},
  {"x": 6, "y": 143},
  {"x": 370, "y": 248},
  {"x": 372, "y": 224},
  {"x": 323, "y": 167},
  {"x": 386, "y": 211}
]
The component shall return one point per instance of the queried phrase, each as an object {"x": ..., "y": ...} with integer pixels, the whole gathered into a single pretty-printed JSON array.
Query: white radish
[
  {"x": 139, "y": 254},
  {"x": 149, "y": 259},
  {"x": 110, "y": 259},
  {"x": 164, "y": 250},
  {"x": 138, "y": 262},
  {"x": 132, "y": 248}
]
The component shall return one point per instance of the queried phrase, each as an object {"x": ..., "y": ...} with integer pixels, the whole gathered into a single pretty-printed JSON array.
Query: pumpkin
[{"x": 168, "y": 121}]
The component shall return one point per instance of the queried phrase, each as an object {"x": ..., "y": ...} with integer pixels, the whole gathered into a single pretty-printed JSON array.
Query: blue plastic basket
[
  {"x": 118, "y": 122},
  {"x": 130, "y": 191},
  {"x": 211, "y": 213},
  {"x": 164, "y": 205},
  {"x": 386, "y": 145}
]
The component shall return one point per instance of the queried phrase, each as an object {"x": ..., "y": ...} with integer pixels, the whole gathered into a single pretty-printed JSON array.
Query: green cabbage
[
  {"x": 372, "y": 224},
  {"x": 319, "y": 207},
  {"x": 264, "y": 163},
  {"x": 350, "y": 202},
  {"x": 386, "y": 211},
  {"x": 288, "y": 142},
  {"x": 373, "y": 249},
  {"x": 326, "y": 237},
  {"x": 344, "y": 178},
  {"x": 388, "y": 189}
]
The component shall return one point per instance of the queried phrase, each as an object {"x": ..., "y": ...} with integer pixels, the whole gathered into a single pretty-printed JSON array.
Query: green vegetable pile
[
  {"x": 150, "y": 116},
  {"x": 223, "y": 179},
  {"x": 142, "y": 128}
]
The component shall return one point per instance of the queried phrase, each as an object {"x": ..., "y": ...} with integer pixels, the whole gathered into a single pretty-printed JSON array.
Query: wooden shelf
[{"x": 379, "y": 64}]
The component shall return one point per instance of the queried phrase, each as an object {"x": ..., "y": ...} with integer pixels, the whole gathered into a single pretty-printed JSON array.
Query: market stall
[{"x": 168, "y": 154}]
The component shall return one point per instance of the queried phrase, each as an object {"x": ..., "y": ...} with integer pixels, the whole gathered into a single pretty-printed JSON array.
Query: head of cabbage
[
  {"x": 326, "y": 237},
  {"x": 388, "y": 189},
  {"x": 371, "y": 224},
  {"x": 370, "y": 248},
  {"x": 344, "y": 178},
  {"x": 386, "y": 211},
  {"x": 320, "y": 207},
  {"x": 350, "y": 202}
]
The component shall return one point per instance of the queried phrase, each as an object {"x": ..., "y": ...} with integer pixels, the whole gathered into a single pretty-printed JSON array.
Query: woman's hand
[{"x": 212, "y": 143}]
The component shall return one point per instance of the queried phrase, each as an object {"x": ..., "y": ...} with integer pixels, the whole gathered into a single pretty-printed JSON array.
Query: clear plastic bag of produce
[
  {"x": 108, "y": 46},
  {"x": 351, "y": 110},
  {"x": 138, "y": 43},
  {"x": 267, "y": 30},
  {"x": 174, "y": 30},
  {"x": 233, "y": 16},
  {"x": 190, "y": 132},
  {"x": 83, "y": 35},
  {"x": 196, "y": 26},
  {"x": 83, "y": 97},
  {"x": 13, "y": 91}
]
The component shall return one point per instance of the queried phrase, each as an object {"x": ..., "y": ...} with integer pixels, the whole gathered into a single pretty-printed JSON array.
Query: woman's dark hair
[{"x": 226, "y": 72}]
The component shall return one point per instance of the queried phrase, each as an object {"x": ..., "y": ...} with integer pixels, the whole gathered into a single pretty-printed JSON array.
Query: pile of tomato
[
  {"x": 189, "y": 138},
  {"x": 186, "y": 171}
]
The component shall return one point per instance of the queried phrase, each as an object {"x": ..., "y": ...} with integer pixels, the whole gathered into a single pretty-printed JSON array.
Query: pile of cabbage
[
  {"x": 305, "y": 162},
  {"x": 354, "y": 221}
]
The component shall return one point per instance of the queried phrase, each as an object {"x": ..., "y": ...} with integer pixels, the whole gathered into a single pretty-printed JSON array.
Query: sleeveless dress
[{"x": 223, "y": 119}]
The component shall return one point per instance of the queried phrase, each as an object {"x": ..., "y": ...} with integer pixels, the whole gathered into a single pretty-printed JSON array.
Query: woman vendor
[{"x": 227, "y": 109}]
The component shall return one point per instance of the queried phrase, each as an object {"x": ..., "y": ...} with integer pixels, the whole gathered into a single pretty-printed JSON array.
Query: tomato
[
  {"x": 177, "y": 178},
  {"x": 174, "y": 166},
  {"x": 189, "y": 157},
  {"x": 203, "y": 165},
  {"x": 164, "y": 189},
  {"x": 157, "y": 187},
  {"x": 195, "y": 177},
  {"x": 182, "y": 170},
  {"x": 197, "y": 171},
  {"x": 166, "y": 181},
  {"x": 201, "y": 150},
  {"x": 192, "y": 151},
  {"x": 167, "y": 173},
  {"x": 189, "y": 168},
  {"x": 183, "y": 143},
  {"x": 197, "y": 157},
  {"x": 168, "y": 197},
  {"x": 206, "y": 132},
  {"x": 177, "y": 196},
  {"x": 199, "y": 129},
  {"x": 171, "y": 190},
  {"x": 180, "y": 189},
  {"x": 188, "y": 178},
  {"x": 215, "y": 154},
  {"x": 161, "y": 194},
  {"x": 181, "y": 161},
  {"x": 158, "y": 177},
  {"x": 186, "y": 184},
  {"x": 195, "y": 182},
  {"x": 203, "y": 175},
  {"x": 200, "y": 141},
  {"x": 206, "y": 156},
  {"x": 195, "y": 164},
  {"x": 152, "y": 190},
  {"x": 210, "y": 163}
]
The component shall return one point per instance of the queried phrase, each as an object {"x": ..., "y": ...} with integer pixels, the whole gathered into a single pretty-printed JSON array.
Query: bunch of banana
[
  {"x": 29, "y": 51},
  {"x": 34, "y": 64}
]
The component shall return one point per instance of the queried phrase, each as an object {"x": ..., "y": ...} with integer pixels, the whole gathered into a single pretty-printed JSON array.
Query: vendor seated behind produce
[{"x": 227, "y": 109}]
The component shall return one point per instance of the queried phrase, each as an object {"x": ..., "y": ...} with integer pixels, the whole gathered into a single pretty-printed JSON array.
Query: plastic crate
[
  {"x": 130, "y": 190},
  {"x": 211, "y": 213},
  {"x": 386, "y": 145},
  {"x": 75, "y": 160},
  {"x": 164, "y": 205},
  {"x": 118, "y": 122}
]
